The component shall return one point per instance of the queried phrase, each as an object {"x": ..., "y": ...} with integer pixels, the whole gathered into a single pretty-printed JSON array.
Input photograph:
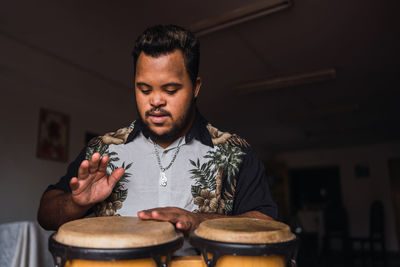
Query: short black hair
[{"x": 163, "y": 39}]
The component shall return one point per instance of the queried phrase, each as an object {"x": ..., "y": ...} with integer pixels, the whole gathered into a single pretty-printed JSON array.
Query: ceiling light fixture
[
  {"x": 286, "y": 81},
  {"x": 318, "y": 112},
  {"x": 239, "y": 15}
]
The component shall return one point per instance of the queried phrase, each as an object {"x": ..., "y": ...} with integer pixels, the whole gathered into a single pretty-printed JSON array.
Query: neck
[{"x": 165, "y": 144}]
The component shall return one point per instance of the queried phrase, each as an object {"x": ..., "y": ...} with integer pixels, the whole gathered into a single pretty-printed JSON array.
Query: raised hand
[{"x": 93, "y": 184}]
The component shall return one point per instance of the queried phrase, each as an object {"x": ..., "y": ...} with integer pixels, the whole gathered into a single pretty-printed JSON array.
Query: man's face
[{"x": 164, "y": 94}]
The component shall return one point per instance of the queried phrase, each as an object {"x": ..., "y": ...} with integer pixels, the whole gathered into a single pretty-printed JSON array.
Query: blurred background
[{"x": 312, "y": 85}]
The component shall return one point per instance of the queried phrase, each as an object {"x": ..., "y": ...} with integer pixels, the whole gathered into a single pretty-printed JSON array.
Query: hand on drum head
[
  {"x": 183, "y": 220},
  {"x": 93, "y": 184}
]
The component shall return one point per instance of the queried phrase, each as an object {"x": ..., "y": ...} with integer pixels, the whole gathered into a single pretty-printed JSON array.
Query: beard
[{"x": 175, "y": 132}]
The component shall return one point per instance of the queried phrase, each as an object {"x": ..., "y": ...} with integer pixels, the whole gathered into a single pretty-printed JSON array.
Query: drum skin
[
  {"x": 244, "y": 230},
  {"x": 115, "y": 232}
]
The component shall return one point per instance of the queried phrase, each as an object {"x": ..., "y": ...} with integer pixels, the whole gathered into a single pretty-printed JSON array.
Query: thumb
[
  {"x": 115, "y": 176},
  {"x": 74, "y": 184}
]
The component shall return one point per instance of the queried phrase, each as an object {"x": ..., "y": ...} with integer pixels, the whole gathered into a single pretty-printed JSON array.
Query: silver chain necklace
[{"x": 163, "y": 177}]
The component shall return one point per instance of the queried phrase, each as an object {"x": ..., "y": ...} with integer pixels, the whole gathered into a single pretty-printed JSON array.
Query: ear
[{"x": 197, "y": 86}]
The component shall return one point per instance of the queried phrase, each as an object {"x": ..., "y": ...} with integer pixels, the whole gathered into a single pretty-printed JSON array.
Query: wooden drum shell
[
  {"x": 157, "y": 255},
  {"x": 278, "y": 251},
  {"x": 245, "y": 242},
  {"x": 222, "y": 254},
  {"x": 181, "y": 261}
]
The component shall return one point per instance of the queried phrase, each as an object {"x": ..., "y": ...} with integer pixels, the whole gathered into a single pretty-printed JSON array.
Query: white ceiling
[{"x": 360, "y": 39}]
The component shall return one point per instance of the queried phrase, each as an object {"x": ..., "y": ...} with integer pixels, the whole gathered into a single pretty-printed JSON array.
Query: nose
[{"x": 157, "y": 99}]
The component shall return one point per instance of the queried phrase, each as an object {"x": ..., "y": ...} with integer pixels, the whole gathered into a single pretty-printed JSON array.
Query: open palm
[{"x": 93, "y": 185}]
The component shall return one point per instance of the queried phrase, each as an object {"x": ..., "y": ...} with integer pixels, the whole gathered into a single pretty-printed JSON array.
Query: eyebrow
[
  {"x": 142, "y": 84},
  {"x": 173, "y": 84}
]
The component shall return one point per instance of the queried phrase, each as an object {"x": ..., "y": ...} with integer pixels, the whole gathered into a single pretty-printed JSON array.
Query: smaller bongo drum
[
  {"x": 114, "y": 241},
  {"x": 245, "y": 242}
]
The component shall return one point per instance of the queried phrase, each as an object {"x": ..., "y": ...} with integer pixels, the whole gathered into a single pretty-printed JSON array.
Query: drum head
[
  {"x": 115, "y": 232},
  {"x": 244, "y": 230}
]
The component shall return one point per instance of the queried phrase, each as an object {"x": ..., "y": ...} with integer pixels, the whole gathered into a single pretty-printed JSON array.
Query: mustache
[{"x": 157, "y": 111}]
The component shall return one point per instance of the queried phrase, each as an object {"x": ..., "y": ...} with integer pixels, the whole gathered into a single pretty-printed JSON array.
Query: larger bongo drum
[
  {"x": 114, "y": 241},
  {"x": 245, "y": 242}
]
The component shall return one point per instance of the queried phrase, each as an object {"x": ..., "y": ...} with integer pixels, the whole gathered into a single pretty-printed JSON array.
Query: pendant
[{"x": 163, "y": 179}]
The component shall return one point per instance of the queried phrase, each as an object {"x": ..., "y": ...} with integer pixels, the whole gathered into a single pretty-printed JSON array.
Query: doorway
[
  {"x": 314, "y": 188},
  {"x": 314, "y": 191}
]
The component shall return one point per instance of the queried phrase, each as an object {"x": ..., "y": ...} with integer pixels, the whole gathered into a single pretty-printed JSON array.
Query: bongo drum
[
  {"x": 114, "y": 241},
  {"x": 245, "y": 242}
]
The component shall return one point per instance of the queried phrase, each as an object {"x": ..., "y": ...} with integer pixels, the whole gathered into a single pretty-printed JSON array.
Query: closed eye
[
  {"x": 146, "y": 92},
  {"x": 171, "y": 92},
  {"x": 171, "y": 88},
  {"x": 143, "y": 87}
]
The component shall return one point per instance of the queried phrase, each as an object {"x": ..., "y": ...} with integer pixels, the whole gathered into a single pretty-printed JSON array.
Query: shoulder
[
  {"x": 219, "y": 137},
  {"x": 117, "y": 137},
  {"x": 237, "y": 145},
  {"x": 102, "y": 143}
]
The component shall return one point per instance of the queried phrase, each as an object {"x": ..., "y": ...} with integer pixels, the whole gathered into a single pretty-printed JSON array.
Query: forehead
[{"x": 170, "y": 64}]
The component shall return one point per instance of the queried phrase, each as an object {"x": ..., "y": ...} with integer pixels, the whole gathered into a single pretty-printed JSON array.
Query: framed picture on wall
[{"x": 53, "y": 135}]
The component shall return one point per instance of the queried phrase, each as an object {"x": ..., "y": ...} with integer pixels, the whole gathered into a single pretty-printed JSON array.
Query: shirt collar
[{"x": 198, "y": 131}]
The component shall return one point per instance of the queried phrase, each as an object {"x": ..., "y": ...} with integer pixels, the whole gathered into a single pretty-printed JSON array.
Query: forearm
[{"x": 56, "y": 208}]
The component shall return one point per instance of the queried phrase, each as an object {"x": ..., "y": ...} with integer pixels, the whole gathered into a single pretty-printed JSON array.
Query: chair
[
  {"x": 372, "y": 247},
  {"x": 377, "y": 232}
]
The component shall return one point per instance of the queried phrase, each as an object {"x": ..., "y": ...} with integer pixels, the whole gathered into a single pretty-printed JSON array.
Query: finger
[
  {"x": 74, "y": 184},
  {"x": 144, "y": 215},
  {"x": 183, "y": 225},
  {"x": 158, "y": 213},
  {"x": 164, "y": 215},
  {"x": 94, "y": 163},
  {"x": 150, "y": 213},
  {"x": 78, "y": 185},
  {"x": 115, "y": 176},
  {"x": 83, "y": 171},
  {"x": 164, "y": 209},
  {"x": 181, "y": 221},
  {"x": 103, "y": 164}
]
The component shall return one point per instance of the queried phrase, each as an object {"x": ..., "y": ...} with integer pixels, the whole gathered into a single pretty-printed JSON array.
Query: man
[{"x": 170, "y": 164}]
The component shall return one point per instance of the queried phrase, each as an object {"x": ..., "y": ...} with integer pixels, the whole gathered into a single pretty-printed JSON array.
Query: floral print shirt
[{"x": 213, "y": 172}]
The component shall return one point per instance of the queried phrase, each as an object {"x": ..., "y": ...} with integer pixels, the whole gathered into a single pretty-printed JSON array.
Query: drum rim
[
  {"x": 285, "y": 248},
  {"x": 68, "y": 252}
]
